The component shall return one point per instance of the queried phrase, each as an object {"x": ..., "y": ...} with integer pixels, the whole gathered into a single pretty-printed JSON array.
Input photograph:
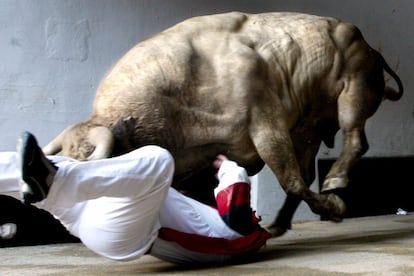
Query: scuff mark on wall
[{"x": 67, "y": 40}]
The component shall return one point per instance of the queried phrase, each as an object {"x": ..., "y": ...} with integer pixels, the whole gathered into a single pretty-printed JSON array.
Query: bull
[{"x": 261, "y": 88}]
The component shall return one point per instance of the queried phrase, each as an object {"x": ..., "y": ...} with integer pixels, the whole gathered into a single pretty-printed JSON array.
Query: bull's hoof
[
  {"x": 275, "y": 230},
  {"x": 336, "y": 208},
  {"x": 334, "y": 183},
  {"x": 330, "y": 207}
]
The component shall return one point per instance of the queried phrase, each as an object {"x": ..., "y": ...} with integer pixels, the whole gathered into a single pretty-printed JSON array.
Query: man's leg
[
  {"x": 24, "y": 225},
  {"x": 134, "y": 173},
  {"x": 113, "y": 204},
  {"x": 9, "y": 173}
]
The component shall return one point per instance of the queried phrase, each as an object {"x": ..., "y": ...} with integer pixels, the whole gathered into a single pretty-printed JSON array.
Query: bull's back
[
  {"x": 167, "y": 62},
  {"x": 186, "y": 75},
  {"x": 181, "y": 67}
]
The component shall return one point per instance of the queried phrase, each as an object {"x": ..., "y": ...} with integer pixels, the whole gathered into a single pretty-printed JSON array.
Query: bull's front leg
[
  {"x": 306, "y": 143},
  {"x": 275, "y": 147}
]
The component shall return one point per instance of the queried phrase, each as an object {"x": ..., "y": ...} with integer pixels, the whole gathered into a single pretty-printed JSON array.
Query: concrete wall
[{"x": 53, "y": 54}]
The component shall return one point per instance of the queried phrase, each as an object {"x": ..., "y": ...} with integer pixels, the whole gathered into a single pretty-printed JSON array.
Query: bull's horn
[
  {"x": 55, "y": 146},
  {"x": 103, "y": 140}
]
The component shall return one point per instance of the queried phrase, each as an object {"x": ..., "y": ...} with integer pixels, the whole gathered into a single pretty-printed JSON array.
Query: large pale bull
[{"x": 263, "y": 88}]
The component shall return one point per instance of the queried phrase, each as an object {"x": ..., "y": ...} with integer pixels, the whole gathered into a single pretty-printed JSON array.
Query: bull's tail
[{"x": 389, "y": 92}]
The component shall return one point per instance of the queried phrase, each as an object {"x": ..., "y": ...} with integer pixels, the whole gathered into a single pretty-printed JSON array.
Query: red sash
[{"x": 218, "y": 246}]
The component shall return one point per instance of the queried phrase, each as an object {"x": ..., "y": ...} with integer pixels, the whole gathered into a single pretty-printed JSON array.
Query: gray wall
[{"x": 53, "y": 54}]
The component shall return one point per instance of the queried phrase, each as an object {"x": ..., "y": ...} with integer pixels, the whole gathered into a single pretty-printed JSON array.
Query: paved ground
[{"x": 382, "y": 245}]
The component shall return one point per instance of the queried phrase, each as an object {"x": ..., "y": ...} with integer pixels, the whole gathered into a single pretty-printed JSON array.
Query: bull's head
[{"x": 83, "y": 141}]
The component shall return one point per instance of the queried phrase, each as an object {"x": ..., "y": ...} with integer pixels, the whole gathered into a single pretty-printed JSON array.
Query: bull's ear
[
  {"x": 55, "y": 146},
  {"x": 102, "y": 138}
]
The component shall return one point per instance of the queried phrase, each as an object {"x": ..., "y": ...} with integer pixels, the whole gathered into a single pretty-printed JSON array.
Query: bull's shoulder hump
[
  {"x": 290, "y": 22},
  {"x": 231, "y": 22}
]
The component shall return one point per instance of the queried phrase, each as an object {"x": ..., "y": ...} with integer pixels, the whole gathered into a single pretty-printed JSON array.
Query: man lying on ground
[{"x": 124, "y": 207}]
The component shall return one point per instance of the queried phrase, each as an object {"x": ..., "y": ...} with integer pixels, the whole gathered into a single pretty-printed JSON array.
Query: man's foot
[{"x": 37, "y": 171}]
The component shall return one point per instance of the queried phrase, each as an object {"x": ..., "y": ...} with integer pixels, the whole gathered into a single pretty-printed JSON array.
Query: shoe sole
[{"x": 29, "y": 187}]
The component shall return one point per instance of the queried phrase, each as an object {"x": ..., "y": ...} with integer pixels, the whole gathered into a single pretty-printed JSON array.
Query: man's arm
[{"x": 233, "y": 196}]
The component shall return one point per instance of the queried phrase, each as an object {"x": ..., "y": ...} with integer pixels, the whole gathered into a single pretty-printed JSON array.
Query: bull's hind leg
[
  {"x": 355, "y": 145},
  {"x": 361, "y": 96},
  {"x": 274, "y": 145},
  {"x": 355, "y": 105}
]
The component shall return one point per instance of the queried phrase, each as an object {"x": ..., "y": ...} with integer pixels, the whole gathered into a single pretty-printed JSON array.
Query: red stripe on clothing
[
  {"x": 233, "y": 195},
  {"x": 211, "y": 245}
]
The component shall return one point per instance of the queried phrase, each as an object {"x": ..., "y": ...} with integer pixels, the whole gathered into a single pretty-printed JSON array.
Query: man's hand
[{"x": 219, "y": 161}]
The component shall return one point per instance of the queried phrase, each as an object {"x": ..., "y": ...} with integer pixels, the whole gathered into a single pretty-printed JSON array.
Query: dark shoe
[{"x": 37, "y": 171}]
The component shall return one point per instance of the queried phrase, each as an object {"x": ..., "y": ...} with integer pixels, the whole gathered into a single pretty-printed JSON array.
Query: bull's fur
[{"x": 265, "y": 88}]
